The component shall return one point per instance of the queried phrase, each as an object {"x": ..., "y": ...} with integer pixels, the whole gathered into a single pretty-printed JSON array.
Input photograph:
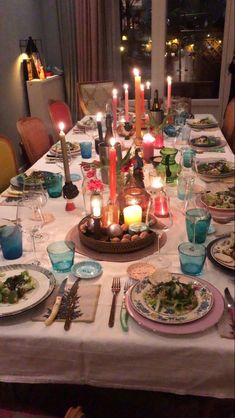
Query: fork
[
  {"x": 116, "y": 287},
  {"x": 123, "y": 312}
]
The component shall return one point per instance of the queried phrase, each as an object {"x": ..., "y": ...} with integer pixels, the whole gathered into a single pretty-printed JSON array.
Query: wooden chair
[
  {"x": 35, "y": 138},
  {"x": 8, "y": 162},
  {"x": 228, "y": 127},
  {"x": 93, "y": 96},
  {"x": 59, "y": 111}
]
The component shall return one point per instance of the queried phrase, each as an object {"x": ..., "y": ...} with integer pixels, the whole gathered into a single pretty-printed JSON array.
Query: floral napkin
[{"x": 86, "y": 305}]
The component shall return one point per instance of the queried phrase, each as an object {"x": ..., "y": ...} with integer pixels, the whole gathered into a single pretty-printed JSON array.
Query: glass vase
[{"x": 168, "y": 165}]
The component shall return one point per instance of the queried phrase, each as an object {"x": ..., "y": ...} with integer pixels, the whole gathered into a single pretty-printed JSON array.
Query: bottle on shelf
[{"x": 109, "y": 130}]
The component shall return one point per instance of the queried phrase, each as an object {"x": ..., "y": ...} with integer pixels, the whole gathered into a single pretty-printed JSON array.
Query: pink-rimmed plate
[{"x": 200, "y": 325}]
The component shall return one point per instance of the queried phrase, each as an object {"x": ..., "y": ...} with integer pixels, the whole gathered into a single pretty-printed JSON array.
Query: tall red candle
[
  {"x": 148, "y": 146},
  {"x": 126, "y": 103},
  {"x": 112, "y": 172},
  {"x": 142, "y": 99},
  {"x": 115, "y": 109},
  {"x": 169, "y": 85},
  {"x": 137, "y": 103}
]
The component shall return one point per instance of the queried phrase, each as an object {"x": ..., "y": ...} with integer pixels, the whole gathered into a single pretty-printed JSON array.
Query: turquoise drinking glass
[
  {"x": 192, "y": 258},
  {"x": 61, "y": 254},
  {"x": 197, "y": 224}
]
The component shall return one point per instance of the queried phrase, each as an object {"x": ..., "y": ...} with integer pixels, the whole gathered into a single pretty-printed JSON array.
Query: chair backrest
[
  {"x": 228, "y": 127},
  {"x": 59, "y": 111},
  {"x": 93, "y": 96},
  {"x": 34, "y": 137},
  {"x": 181, "y": 104},
  {"x": 8, "y": 162}
]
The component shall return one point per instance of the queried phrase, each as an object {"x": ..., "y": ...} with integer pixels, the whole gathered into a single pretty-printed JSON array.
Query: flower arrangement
[{"x": 95, "y": 185}]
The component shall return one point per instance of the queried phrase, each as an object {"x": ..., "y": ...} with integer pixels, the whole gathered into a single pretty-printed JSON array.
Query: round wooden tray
[
  {"x": 114, "y": 247},
  {"x": 80, "y": 248}
]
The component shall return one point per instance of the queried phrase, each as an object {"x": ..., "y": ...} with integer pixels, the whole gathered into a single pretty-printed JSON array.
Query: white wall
[{"x": 19, "y": 20}]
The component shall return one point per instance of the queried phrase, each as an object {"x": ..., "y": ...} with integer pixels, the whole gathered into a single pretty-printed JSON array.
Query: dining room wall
[{"x": 19, "y": 20}]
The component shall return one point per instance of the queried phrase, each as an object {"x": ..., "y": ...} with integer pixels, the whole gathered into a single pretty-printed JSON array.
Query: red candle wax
[
  {"x": 148, "y": 147},
  {"x": 112, "y": 172},
  {"x": 159, "y": 141},
  {"x": 126, "y": 103},
  {"x": 114, "y": 109},
  {"x": 161, "y": 206}
]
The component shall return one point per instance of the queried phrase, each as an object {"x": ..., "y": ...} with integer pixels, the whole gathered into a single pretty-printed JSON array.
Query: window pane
[
  {"x": 194, "y": 46},
  {"x": 136, "y": 41}
]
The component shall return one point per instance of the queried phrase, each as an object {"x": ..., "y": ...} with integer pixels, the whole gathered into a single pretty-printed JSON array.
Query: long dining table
[{"x": 200, "y": 363}]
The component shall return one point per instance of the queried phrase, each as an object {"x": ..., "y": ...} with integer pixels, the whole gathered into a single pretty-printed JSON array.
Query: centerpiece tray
[{"x": 80, "y": 248}]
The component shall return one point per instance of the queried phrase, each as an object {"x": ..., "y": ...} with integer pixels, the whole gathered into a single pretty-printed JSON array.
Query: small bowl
[{"x": 87, "y": 269}]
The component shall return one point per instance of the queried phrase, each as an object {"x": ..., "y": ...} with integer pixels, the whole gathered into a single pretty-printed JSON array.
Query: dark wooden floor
[{"x": 109, "y": 403}]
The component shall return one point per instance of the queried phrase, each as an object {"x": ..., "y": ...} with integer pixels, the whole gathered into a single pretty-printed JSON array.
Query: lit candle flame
[
  {"x": 115, "y": 93},
  {"x": 169, "y": 79},
  {"x": 61, "y": 126},
  {"x": 148, "y": 85},
  {"x": 125, "y": 87},
  {"x": 112, "y": 141},
  {"x": 136, "y": 72},
  {"x": 142, "y": 87},
  {"x": 98, "y": 117}
]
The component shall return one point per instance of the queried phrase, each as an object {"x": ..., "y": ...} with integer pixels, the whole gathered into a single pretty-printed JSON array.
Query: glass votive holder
[
  {"x": 185, "y": 187},
  {"x": 188, "y": 155},
  {"x": 86, "y": 149},
  {"x": 61, "y": 254},
  {"x": 192, "y": 258},
  {"x": 197, "y": 224}
]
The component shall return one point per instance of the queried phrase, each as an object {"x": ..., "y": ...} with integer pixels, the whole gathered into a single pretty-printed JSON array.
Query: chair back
[
  {"x": 181, "y": 104},
  {"x": 228, "y": 127},
  {"x": 8, "y": 162},
  {"x": 93, "y": 96},
  {"x": 59, "y": 111},
  {"x": 34, "y": 136}
]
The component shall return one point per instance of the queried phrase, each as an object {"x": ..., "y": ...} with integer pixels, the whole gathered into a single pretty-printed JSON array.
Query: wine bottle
[
  {"x": 156, "y": 105},
  {"x": 109, "y": 130}
]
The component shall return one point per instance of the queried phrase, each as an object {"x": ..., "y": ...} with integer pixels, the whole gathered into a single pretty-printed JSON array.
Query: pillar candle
[
  {"x": 64, "y": 153},
  {"x": 148, "y": 93},
  {"x": 99, "y": 126},
  {"x": 169, "y": 84},
  {"x": 114, "y": 109},
  {"x": 148, "y": 146},
  {"x": 137, "y": 103},
  {"x": 126, "y": 103},
  {"x": 132, "y": 214},
  {"x": 142, "y": 99},
  {"x": 112, "y": 172}
]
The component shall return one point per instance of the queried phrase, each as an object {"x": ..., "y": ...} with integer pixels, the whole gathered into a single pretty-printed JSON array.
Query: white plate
[
  {"x": 220, "y": 250},
  {"x": 45, "y": 283},
  {"x": 74, "y": 148},
  {"x": 199, "y": 124},
  {"x": 203, "y": 294}
]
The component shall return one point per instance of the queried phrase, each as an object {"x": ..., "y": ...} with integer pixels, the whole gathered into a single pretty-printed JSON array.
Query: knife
[
  {"x": 56, "y": 306},
  {"x": 230, "y": 303},
  {"x": 71, "y": 304}
]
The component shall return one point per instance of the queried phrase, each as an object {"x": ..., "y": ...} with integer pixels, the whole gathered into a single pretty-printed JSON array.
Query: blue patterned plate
[
  {"x": 87, "y": 269},
  {"x": 142, "y": 301}
]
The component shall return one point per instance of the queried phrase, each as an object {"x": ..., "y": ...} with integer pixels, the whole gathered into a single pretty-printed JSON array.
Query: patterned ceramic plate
[
  {"x": 87, "y": 269},
  {"x": 73, "y": 147},
  {"x": 222, "y": 251},
  {"x": 44, "y": 285},
  {"x": 205, "y": 141},
  {"x": 202, "y": 123},
  {"x": 141, "y": 302}
]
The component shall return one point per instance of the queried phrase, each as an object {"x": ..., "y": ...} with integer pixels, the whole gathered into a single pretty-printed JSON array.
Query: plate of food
[
  {"x": 221, "y": 251},
  {"x": 221, "y": 201},
  {"x": 214, "y": 168},
  {"x": 73, "y": 148},
  {"x": 38, "y": 176},
  {"x": 23, "y": 286},
  {"x": 176, "y": 301},
  {"x": 203, "y": 123},
  {"x": 205, "y": 141}
]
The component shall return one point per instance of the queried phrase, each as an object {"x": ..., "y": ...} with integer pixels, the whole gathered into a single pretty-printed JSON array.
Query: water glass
[
  {"x": 186, "y": 131},
  {"x": 11, "y": 241},
  {"x": 188, "y": 155},
  {"x": 185, "y": 187},
  {"x": 54, "y": 185},
  {"x": 192, "y": 258},
  {"x": 61, "y": 254},
  {"x": 197, "y": 224},
  {"x": 86, "y": 149}
]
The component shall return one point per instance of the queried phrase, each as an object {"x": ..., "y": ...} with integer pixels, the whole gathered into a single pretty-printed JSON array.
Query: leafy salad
[
  {"x": 220, "y": 200},
  {"x": 14, "y": 287},
  {"x": 172, "y": 296},
  {"x": 215, "y": 168}
]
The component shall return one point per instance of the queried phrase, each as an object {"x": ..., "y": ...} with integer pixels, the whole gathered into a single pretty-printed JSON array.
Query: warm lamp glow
[{"x": 61, "y": 126}]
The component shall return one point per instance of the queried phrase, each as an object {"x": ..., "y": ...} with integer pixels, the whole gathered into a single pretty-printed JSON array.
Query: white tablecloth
[{"x": 94, "y": 354}]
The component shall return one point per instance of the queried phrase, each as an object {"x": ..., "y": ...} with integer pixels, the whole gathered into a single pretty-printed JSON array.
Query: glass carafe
[{"x": 168, "y": 164}]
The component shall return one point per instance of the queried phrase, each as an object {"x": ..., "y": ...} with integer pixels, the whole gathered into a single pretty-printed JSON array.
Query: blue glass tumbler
[
  {"x": 192, "y": 258},
  {"x": 11, "y": 241}
]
